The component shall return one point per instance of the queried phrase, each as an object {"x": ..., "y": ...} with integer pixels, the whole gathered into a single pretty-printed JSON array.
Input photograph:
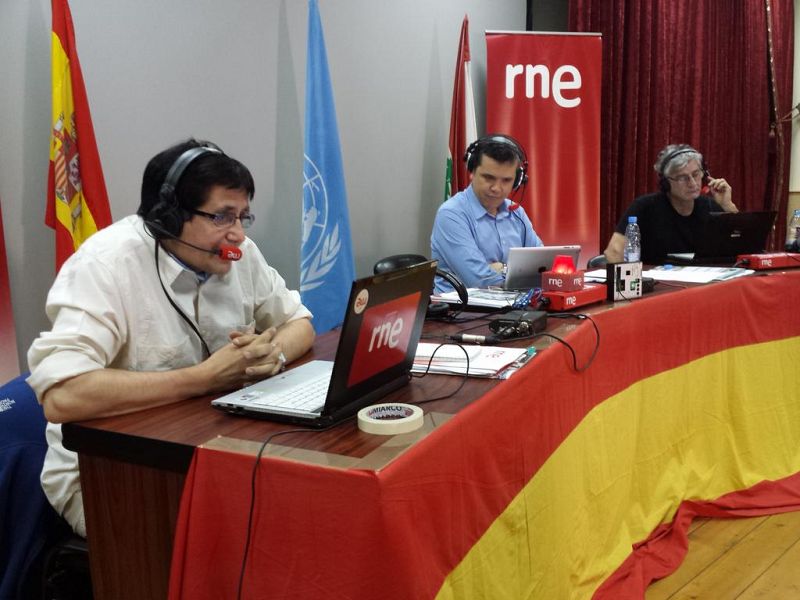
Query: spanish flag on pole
[{"x": 77, "y": 202}]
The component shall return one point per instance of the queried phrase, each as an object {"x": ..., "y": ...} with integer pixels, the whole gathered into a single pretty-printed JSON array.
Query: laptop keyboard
[{"x": 308, "y": 395}]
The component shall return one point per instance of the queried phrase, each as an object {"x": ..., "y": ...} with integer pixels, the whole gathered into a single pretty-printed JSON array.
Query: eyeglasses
[
  {"x": 226, "y": 219},
  {"x": 685, "y": 179}
]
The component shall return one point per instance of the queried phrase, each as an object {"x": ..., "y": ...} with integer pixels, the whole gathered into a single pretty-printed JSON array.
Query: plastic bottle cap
[{"x": 632, "y": 219}]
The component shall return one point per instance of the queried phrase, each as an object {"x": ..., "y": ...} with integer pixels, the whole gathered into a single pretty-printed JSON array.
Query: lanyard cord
[{"x": 177, "y": 308}]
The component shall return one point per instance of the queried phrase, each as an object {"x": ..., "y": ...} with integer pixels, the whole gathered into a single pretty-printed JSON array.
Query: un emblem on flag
[{"x": 321, "y": 242}]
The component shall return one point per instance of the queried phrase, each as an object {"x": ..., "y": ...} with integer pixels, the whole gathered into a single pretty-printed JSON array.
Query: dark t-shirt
[{"x": 663, "y": 230}]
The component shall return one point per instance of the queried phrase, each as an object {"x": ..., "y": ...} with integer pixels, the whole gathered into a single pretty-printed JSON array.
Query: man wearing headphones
[
  {"x": 153, "y": 309},
  {"x": 672, "y": 219},
  {"x": 475, "y": 228}
]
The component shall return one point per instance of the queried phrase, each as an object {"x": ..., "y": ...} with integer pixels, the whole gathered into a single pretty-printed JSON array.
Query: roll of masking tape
[{"x": 390, "y": 419}]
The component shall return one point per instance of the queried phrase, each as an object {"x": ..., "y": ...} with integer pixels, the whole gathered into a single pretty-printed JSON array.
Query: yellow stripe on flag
[
  {"x": 72, "y": 210},
  {"x": 718, "y": 424}
]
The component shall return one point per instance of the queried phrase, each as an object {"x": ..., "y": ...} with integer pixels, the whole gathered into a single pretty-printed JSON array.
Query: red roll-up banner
[
  {"x": 543, "y": 89},
  {"x": 9, "y": 364}
]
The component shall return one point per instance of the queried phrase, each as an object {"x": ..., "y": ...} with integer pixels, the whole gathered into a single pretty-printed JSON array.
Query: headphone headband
[
  {"x": 166, "y": 216},
  {"x": 663, "y": 180},
  {"x": 673, "y": 155},
  {"x": 177, "y": 169}
]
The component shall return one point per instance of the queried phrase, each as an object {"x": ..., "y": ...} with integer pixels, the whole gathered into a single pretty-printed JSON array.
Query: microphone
[
  {"x": 224, "y": 251},
  {"x": 705, "y": 190},
  {"x": 513, "y": 206},
  {"x": 228, "y": 252},
  {"x": 474, "y": 339}
]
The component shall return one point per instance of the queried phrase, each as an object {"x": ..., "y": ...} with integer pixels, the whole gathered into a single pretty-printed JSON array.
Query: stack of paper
[
  {"x": 681, "y": 273},
  {"x": 481, "y": 298},
  {"x": 696, "y": 274},
  {"x": 484, "y": 361}
]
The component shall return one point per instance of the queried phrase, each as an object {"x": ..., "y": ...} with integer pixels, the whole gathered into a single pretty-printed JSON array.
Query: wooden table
[{"x": 134, "y": 467}]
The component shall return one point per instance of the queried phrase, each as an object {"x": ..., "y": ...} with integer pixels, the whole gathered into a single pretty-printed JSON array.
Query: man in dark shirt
[{"x": 672, "y": 219}]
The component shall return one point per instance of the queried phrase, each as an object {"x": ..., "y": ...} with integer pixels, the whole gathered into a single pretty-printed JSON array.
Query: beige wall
[{"x": 794, "y": 172}]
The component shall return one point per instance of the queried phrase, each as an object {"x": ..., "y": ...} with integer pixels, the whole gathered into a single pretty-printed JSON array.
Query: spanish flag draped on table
[
  {"x": 77, "y": 201},
  {"x": 555, "y": 483}
]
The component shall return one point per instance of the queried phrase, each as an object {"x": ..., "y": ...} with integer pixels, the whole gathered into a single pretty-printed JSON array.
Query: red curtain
[{"x": 698, "y": 73}]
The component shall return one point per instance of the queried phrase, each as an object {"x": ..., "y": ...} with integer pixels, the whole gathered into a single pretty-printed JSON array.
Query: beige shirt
[{"x": 107, "y": 309}]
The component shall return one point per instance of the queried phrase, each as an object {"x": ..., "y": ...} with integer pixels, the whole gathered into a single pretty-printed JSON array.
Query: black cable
[
  {"x": 176, "y": 307},
  {"x": 624, "y": 297},
  {"x": 580, "y": 316},
  {"x": 251, "y": 510},
  {"x": 523, "y": 187},
  {"x": 428, "y": 368},
  {"x": 524, "y": 227}
]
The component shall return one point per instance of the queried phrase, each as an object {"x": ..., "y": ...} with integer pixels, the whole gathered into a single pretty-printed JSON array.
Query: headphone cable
[{"x": 176, "y": 307}]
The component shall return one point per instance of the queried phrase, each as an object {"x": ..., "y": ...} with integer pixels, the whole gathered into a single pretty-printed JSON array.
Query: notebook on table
[
  {"x": 378, "y": 341},
  {"x": 526, "y": 265},
  {"x": 726, "y": 235}
]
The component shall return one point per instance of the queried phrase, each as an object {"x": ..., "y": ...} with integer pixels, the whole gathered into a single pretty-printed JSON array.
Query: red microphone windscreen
[
  {"x": 513, "y": 206},
  {"x": 230, "y": 253}
]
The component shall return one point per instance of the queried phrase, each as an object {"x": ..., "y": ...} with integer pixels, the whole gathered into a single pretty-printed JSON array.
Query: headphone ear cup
[
  {"x": 518, "y": 179},
  {"x": 437, "y": 310},
  {"x": 167, "y": 214},
  {"x": 521, "y": 177},
  {"x": 167, "y": 218},
  {"x": 663, "y": 184},
  {"x": 469, "y": 155},
  {"x": 457, "y": 284}
]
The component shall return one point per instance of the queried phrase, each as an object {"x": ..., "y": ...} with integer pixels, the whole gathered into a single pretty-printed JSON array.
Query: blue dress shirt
[{"x": 466, "y": 239}]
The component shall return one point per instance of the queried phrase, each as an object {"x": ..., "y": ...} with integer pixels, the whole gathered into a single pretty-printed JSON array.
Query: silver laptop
[
  {"x": 381, "y": 330},
  {"x": 526, "y": 265}
]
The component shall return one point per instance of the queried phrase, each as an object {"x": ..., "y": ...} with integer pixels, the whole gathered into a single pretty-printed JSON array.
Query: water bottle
[
  {"x": 793, "y": 233},
  {"x": 633, "y": 241}
]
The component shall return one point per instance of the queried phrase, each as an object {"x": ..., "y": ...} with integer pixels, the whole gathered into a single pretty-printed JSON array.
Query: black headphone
[
  {"x": 663, "y": 180},
  {"x": 166, "y": 215},
  {"x": 441, "y": 310},
  {"x": 478, "y": 148}
]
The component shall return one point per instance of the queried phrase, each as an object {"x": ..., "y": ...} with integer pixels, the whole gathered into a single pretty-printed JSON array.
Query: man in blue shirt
[{"x": 475, "y": 228}]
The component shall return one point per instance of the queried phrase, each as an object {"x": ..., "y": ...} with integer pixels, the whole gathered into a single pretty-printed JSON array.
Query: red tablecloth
[{"x": 540, "y": 488}]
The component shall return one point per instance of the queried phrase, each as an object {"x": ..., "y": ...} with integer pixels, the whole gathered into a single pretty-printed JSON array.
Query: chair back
[
  {"x": 25, "y": 513},
  {"x": 397, "y": 261}
]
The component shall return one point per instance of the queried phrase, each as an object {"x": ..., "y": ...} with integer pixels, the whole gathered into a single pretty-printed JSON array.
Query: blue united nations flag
[{"x": 326, "y": 256}]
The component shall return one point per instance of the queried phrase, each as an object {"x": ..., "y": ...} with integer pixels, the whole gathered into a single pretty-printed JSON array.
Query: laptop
[
  {"x": 526, "y": 265},
  {"x": 382, "y": 326},
  {"x": 726, "y": 235}
]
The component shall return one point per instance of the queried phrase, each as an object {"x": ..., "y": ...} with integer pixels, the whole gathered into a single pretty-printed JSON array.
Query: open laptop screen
[
  {"x": 526, "y": 265},
  {"x": 382, "y": 327},
  {"x": 727, "y": 235}
]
